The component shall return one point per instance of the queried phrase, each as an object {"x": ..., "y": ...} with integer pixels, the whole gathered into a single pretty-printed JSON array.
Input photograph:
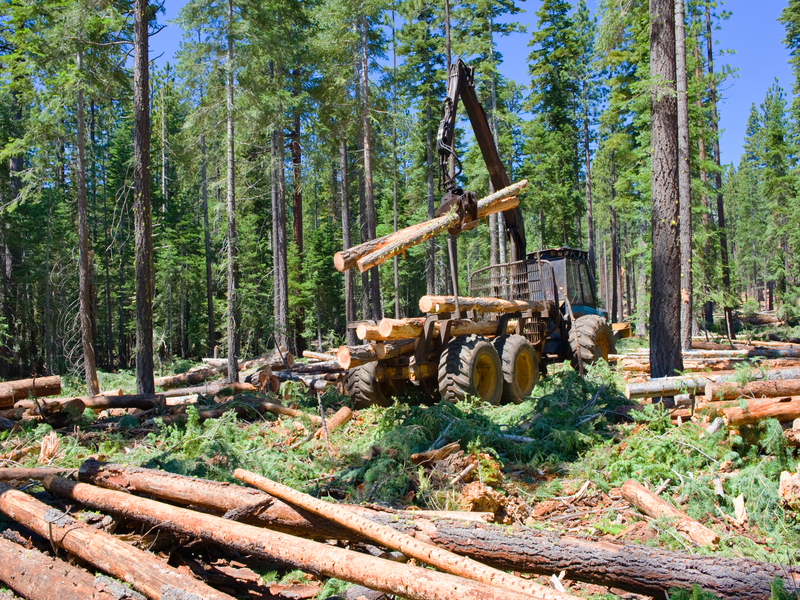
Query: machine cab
[{"x": 573, "y": 278}]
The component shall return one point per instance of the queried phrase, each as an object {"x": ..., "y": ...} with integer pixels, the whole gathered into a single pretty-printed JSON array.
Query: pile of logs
[
  {"x": 469, "y": 557},
  {"x": 391, "y": 338}
]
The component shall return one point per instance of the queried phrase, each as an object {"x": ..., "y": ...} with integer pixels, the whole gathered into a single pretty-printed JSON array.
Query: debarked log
[
  {"x": 782, "y": 409},
  {"x": 309, "y": 556},
  {"x": 195, "y": 376},
  {"x": 729, "y": 390},
  {"x": 633, "y": 567},
  {"x": 143, "y": 571},
  {"x": 38, "y": 387},
  {"x": 391, "y": 329},
  {"x": 36, "y": 576},
  {"x": 668, "y": 386}
]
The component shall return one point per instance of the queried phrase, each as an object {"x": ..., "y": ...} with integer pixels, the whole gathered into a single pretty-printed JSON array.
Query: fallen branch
[
  {"x": 312, "y": 557},
  {"x": 143, "y": 571},
  {"x": 653, "y": 506},
  {"x": 36, "y": 576}
]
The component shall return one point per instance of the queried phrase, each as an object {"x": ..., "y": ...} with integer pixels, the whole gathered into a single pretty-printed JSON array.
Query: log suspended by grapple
[{"x": 375, "y": 252}]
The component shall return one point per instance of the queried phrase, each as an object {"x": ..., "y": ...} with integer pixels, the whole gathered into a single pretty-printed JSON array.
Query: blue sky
[{"x": 751, "y": 41}]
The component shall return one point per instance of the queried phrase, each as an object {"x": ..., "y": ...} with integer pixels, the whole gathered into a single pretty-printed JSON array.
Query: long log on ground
[
  {"x": 386, "y": 536},
  {"x": 242, "y": 411},
  {"x": 312, "y": 557},
  {"x": 782, "y": 409},
  {"x": 398, "y": 329},
  {"x": 733, "y": 353},
  {"x": 500, "y": 201},
  {"x": 668, "y": 386},
  {"x": 633, "y": 567},
  {"x": 730, "y": 390},
  {"x": 653, "y": 506},
  {"x": 36, "y": 576},
  {"x": 313, "y": 383},
  {"x": 38, "y": 387},
  {"x": 210, "y": 389},
  {"x": 329, "y": 366},
  {"x": 195, "y": 376},
  {"x": 337, "y": 420},
  {"x": 444, "y": 304},
  {"x": 144, "y": 401},
  {"x": 143, "y": 571},
  {"x": 275, "y": 360},
  {"x": 642, "y": 365},
  {"x": 37, "y": 473}
]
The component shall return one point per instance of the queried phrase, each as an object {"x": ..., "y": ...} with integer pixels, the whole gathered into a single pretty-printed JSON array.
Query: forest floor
[{"x": 577, "y": 440}]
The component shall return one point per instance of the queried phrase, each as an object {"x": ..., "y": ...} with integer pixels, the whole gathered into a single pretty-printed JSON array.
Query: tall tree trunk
[
  {"x": 615, "y": 288},
  {"x": 207, "y": 240},
  {"x": 107, "y": 267},
  {"x": 587, "y": 158},
  {"x": 233, "y": 300},
  {"x": 84, "y": 278},
  {"x": 297, "y": 214},
  {"x": 723, "y": 233},
  {"x": 145, "y": 273},
  {"x": 349, "y": 299},
  {"x": 431, "y": 264},
  {"x": 685, "y": 178},
  {"x": 665, "y": 310},
  {"x": 395, "y": 170},
  {"x": 372, "y": 216}
]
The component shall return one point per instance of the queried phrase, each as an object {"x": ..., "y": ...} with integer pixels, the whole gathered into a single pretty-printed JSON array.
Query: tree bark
[
  {"x": 636, "y": 568},
  {"x": 100, "y": 402},
  {"x": 84, "y": 277},
  {"x": 665, "y": 300},
  {"x": 389, "y": 538},
  {"x": 755, "y": 389},
  {"x": 192, "y": 377},
  {"x": 349, "y": 294},
  {"x": 685, "y": 178},
  {"x": 207, "y": 239},
  {"x": 782, "y": 409},
  {"x": 37, "y": 387},
  {"x": 143, "y": 571},
  {"x": 430, "y": 269},
  {"x": 723, "y": 233},
  {"x": 382, "y": 575},
  {"x": 36, "y": 576},
  {"x": 443, "y": 304},
  {"x": 395, "y": 170},
  {"x": 145, "y": 273},
  {"x": 233, "y": 251}
]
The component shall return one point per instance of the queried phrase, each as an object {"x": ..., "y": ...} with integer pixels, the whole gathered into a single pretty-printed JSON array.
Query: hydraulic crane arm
[{"x": 461, "y": 85}]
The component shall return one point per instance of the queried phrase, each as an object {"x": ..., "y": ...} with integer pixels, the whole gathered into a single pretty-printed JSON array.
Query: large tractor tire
[
  {"x": 591, "y": 338},
  {"x": 520, "y": 367},
  {"x": 365, "y": 391},
  {"x": 470, "y": 367}
]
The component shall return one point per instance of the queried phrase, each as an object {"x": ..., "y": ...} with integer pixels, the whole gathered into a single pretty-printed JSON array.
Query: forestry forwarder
[{"x": 477, "y": 347}]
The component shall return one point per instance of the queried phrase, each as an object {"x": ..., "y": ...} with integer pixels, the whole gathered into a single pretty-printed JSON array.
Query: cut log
[
  {"x": 642, "y": 365},
  {"x": 273, "y": 360},
  {"x": 728, "y": 390},
  {"x": 349, "y": 357},
  {"x": 210, "y": 389},
  {"x": 667, "y": 386},
  {"x": 198, "y": 375},
  {"x": 458, "y": 327},
  {"x": 329, "y": 366},
  {"x": 313, "y": 383},
  {"x": 98, "y": 403},
  {"x": 51, "y": 406},
  {"x": 782, "y": 409},
  {"x": 312, "y": 557},
  {"x": 500, "y": 201},
  {"x": 143, "y": 571},
  {"x": 731, "y": 353},
  {"x": 653, "y": 506},
  {"x": 241, "y": 411},
  {"x": 286, "y": 411},
  {"x": 365, "y": 331},
  {"x": 386, "y": 536},
  {"x": 215, "y": 362},
  {"x": 339, "y": 418},
  {"x": 36, "y": 576},
  {"x": 318, "y": 356},
  {"x": 346, "y": 259},
  {"x": 38, "y": 387},
  {"x": 39, "y": 473},
  {"x": 636, "y": 568},
  {"x": 792, "y": 437},
  {"x": 444, "y": 304},
  {"x": 386, "y": 350}
]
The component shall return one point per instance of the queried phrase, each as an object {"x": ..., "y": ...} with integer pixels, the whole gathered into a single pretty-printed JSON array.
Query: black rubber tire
[
  {"x": 470, "y": 367},
  {"x": 361, "y": 386},
  {"x": 520, "y": 367},
  {"x": 591, "y": 338}
]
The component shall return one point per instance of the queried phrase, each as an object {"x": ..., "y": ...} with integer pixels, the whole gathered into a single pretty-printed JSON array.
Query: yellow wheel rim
[
  {"x": 485, "y": 377},
  {"x": 524, "y": 372}
]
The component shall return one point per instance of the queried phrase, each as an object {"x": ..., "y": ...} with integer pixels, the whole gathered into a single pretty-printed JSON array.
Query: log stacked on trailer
[
  {"x": 375, "y": 252},
  {"x": 446, "y": 304},
  {"x": 37, "y": 387}
]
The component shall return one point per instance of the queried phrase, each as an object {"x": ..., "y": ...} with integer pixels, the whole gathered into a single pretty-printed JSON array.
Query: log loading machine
[{"x": 539, "y": 308}]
